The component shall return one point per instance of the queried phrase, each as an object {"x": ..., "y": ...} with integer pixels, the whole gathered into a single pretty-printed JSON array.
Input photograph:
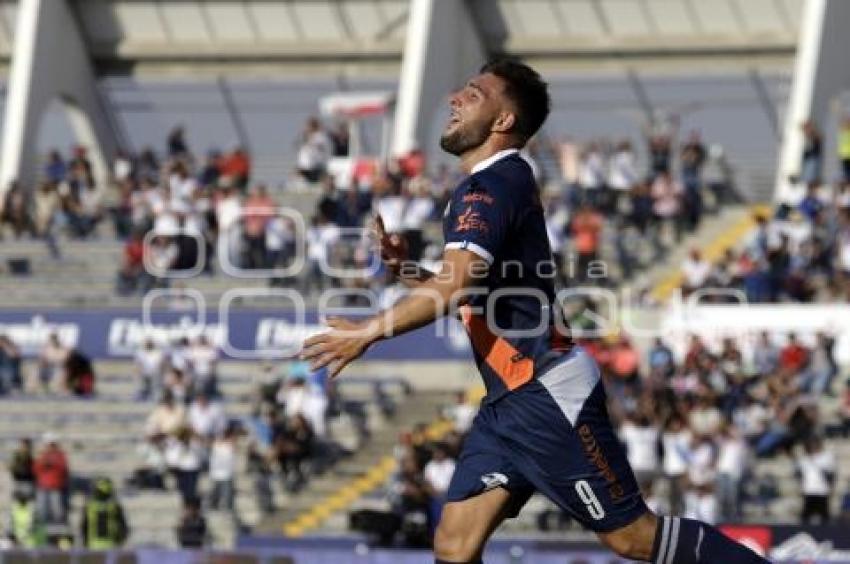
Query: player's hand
[
  {"x": 393, "y": 247},
  {"x": 344, "y": 342}
]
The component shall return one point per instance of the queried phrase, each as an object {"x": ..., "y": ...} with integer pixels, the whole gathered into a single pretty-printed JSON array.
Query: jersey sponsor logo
[
  {"x": 493, "y": 480},
  {"x": 594, "y": 453},
  {"x": 471, "y": 221},
  {"x": 473, "y": 197}
]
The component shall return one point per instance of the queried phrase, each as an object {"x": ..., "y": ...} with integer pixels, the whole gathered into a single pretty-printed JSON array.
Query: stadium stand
[{"x": 187, "y": 84}]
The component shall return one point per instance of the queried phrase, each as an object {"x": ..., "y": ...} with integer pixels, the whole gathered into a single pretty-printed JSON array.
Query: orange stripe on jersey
[{"x": 508, "y": 363}]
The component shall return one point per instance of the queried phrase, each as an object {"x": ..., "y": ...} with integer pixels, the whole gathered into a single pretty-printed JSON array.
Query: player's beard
[{"x": 464, "y": 139}]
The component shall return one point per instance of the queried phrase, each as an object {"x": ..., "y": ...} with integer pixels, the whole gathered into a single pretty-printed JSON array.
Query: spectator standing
[
  {"x": 667, "y": 204},
  {"x": 692, "y": 159},
  {"x": 816, "y": 467},
  {"x": 462, "y": 413},
  {"x": 55, "y": 168},
  {"x": 26, "y": 528},
  {"x": 176, "y": 143},
  {"x": 732, "y": 464},
  {"x": 258, "y": 210},
  {"x": 314, "y": 151},
  {"x": 222, "y": 470},
  {"x": 46, "y": 206},
  {"x": 794, "y": 357},
  {"x": 51, "y": 364},
  {"x": 822, "y": 367},
  {"x": 150, "y": 364},
  {"x": 203, "y": 361},
  {"x": 51, "y": 480},
  {"x": 811, "y": 166},
  {"x": 641, "y": 437},
  {"x": 765, "y": 356},
  {"x": 103, "y": 526},
  {"x": 22, "y": 467},
  {"x": 700, "y": 501},
  {"x": 206, "y": 418},
  {"x": 587, "y": 230},
  {"x": 11, "y": 378},
  {"x": 184, "y": 456},
  {"x": 676, "y": 443}
]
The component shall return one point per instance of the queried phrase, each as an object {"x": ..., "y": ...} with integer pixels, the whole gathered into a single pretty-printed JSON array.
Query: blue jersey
[{"x": 496, "y": 213}]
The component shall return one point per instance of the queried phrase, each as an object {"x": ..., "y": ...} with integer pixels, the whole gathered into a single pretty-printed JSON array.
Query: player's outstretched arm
[{"x": 346, "y": 340}]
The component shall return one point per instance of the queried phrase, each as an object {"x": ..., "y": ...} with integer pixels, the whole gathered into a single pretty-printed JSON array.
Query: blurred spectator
[
  {"x": 693, "y": 158},
  {"x": 793, "y": 357},
  {"x": 438, "y": 474},
  {"x": 811, "y": 164},
  {"x": 258, "y": 210},
  {"x": 51, "y": 364},
  {"x": 587, "y": 228},
  {"x": 696, "y": 271},
  {"x": 641, "y": 438},
  {"x": 206, "y": 418},
  {"x": 660, "y": 154},
  {"x": 821, "y": 368},
  {"x": 102, "y": 525},
  {"x": 816, "y": 466},
  {"x": 168, "y": 418},
  {"x": 177, "y": 142},
  {"x": 700, "y": 501},
  {"x": 15, "y": 211},
  {"x": 661, "y": 361},
  {"x": 732, "y": 464},
  {"x": 54, "y": 168},
  {"x": 314, "y": 151},
  {"x": 676, "y": 443},
  {"x": 150, "y": 365},
  {"x": 765, "y": 356},
  {"x": 46, "y": 206},
  {"x": 222, "y": 471},
  {"x": 152, "y": 471},
  {"x": 184, "y": 456},
  {"x": 22, "y": 467},
  {"x": 51, "y": 480},
  {"x": 259, "y": 467},
  {"x": 462, "y": 413},
  {"x": 133, "y": 275},
  {"x": 192, "y": 530},
  {"x": 293, "y": 445},
  {"x": 11, "y": 378},
  {"x": 203, "y": 361},
  {"x": 592, "y": 176},
  {"x": 25, "y": 527},
  {"x": 667, "y": 204}
]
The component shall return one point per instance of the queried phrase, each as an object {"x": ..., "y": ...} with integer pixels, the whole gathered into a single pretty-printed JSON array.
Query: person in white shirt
[
  {"x": 700, "y": 501},
  {"x": 228, "y": 211},
  {"x": 203, "y": 360},
  {"x": 641, "y": 438},
  {"x": 732, "y": 462},
  {"x": 222, "y": 470},
  {"x": 150, "y": 363},
  {"x": 184, "y": 455},
  {"x": 462, "y": 413},
  {"x": 438, "y": 472},
  {"x": 314, "y": 151},
  {"x": 676, "y": 444},
  {"x": 321, "y": 237},
  {"x": 51, "y": 364},
  {"x": 206, "y": 418},
  {"x": 623, "y": 176},
  {"x": 816, "y": 467},
  {"x": 696, "y": 271},
  {"x": 419, "y": 207},
  {"x": 168, "y": 418}
]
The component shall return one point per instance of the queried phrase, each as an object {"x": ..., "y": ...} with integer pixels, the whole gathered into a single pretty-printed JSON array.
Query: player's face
[{"x": 474, "y": 108}]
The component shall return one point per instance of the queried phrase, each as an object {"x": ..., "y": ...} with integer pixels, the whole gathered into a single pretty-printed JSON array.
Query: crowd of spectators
[
  {"x": 58, "y": 369},
  {"x": 797, "y": 253},
  {"x": 694, "y": 424}
]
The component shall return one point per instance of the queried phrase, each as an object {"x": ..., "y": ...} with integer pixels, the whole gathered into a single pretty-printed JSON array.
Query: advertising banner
[{"x": 240, "y": 333}]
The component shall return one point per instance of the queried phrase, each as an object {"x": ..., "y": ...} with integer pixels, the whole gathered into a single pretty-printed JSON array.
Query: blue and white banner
[{"x": 240, "y": 333}]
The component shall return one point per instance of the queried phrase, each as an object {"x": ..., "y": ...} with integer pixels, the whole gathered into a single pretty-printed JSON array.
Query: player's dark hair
[{"x": 527, "y": 89}]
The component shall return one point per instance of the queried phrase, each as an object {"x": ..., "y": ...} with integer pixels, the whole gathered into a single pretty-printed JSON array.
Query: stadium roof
[{"x": 132, "y": 34}]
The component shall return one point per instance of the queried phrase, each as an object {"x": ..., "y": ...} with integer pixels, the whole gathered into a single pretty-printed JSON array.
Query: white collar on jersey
[{"x": 481, "y": 165}]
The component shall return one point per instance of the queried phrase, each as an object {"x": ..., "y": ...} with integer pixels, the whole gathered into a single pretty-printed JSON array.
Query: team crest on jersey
[
  {"x": 494, "y": 480},
  {"x": 471, "y": 221}
]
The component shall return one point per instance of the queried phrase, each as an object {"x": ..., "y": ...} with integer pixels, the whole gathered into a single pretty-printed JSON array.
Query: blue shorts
[{"x": 553, "y": 435}]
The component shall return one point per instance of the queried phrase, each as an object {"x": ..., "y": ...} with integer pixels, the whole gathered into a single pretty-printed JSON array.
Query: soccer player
[{"x": 543, "y": 425}]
